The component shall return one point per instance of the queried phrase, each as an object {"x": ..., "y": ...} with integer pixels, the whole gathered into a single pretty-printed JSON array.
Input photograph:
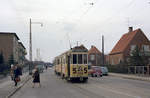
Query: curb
[
  {"x": 130, "y": 77},
  {"x": 18, "y": 88}
]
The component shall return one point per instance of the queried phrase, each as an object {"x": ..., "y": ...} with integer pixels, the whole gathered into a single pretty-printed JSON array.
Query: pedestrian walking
[
  {"x": 12, "y": 72},
  {"x": 20, "y": 70},
  {"x": 16, "y": 75},
  {"x": 46, "y": 67},
  {"x": 36, "y": 77}
]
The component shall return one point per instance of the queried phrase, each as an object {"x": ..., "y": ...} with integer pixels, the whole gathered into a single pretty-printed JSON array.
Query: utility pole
[
  {"x": 103, "y": 61},
  {"x": 30, "y": 43},
  {"x": 30, "y": 49}
]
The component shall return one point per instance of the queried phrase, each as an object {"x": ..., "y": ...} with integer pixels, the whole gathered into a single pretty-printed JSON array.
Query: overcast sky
[{"x": 75, "y": 20}]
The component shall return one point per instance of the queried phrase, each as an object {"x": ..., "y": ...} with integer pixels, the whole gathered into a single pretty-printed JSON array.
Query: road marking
[
  {"x": 117, "y": 92},
  {"x": 88, "y": 93}
]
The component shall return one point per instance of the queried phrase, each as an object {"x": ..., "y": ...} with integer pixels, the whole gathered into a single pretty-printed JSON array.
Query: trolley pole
[{"x": 77, "y": 43}]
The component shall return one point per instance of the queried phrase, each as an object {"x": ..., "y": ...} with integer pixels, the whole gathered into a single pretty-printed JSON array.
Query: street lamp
[{"x": 30, "y": 44}]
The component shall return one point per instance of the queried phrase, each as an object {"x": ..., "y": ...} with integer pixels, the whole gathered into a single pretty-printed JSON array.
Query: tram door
[{"x": 68, "y": 65}]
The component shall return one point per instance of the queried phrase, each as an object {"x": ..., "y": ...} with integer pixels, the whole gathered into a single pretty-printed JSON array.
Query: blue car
[{"x": 104, "y": 70}]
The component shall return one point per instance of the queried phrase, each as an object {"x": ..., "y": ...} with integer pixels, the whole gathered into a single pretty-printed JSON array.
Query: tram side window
[
  {"x": 74, "y": 59},
  {"x": 64, "y": 60},
  {"x": 79, "y": 58},
  {"x": 85, "y": 58},
  {"x": 71, "y": 59},
  {"x": 58, "y": 61}
]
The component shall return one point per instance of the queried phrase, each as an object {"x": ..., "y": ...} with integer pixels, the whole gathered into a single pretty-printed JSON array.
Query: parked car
[
  {"x": 104, "y": 70},
  {"x": 41, "y": 68},
  {"x": 95, "y": 71}
]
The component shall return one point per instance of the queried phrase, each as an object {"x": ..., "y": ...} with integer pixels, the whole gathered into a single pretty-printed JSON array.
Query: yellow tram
[{"x": 73, "y": 64}]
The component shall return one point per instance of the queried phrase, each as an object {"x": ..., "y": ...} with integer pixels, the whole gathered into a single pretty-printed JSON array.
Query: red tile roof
[
  {"x": 124, "y": 41},
  {"x": 94, "y": 50}
]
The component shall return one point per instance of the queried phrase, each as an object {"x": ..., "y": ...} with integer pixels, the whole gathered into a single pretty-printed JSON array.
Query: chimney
[
  {"x": 130, "y": 29},
  {"x": 92, "y": 46}
]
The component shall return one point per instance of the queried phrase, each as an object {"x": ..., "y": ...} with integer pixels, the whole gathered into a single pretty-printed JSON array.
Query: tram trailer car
[{"x": 73, "y": 64}]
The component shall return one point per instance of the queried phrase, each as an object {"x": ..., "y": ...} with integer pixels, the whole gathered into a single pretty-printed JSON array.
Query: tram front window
[
  {"x": 85, "y": 58},
  {"x": 79, "y": 58},
  {"x": 74, "y": 59}
]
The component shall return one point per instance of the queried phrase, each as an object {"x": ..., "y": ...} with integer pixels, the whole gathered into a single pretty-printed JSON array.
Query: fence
[
  {"x": 139, "y": 70},
  {"x": 118, "y": 68}
]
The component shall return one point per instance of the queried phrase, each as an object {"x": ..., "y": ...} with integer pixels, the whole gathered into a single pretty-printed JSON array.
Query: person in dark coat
[
  {"x": 16, "y": 75},
  {"x": 20, "y": 70},
  {"x": 36, "y": 77},
  {"x": 46, "y": 67}
]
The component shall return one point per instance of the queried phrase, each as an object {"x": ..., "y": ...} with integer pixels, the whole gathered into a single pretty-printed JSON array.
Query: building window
[
  {"x": 92, "y": 57},
  {"x": 128, "y": 59},
  {"x": 119, "y": 60},
  {"x": 133, "y": 47},
  {"x": 145, "y": 47},
  {"x": 112, "y": 62}
]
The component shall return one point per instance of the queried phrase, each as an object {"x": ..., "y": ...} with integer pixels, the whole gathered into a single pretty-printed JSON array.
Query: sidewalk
[
  {"x": 131, "y": 76},
  {"x": 1, "y": 77},
  {"x": 7, "y": 86}
]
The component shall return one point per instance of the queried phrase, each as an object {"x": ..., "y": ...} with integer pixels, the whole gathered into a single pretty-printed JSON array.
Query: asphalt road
[{"x": 104, "y": 87}]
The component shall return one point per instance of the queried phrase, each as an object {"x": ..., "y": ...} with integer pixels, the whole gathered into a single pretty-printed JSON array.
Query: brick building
[
  {"x": 94, "y": 56},
  {"x": 9, "y": 46},
  {"x": 127, "y": 43}
]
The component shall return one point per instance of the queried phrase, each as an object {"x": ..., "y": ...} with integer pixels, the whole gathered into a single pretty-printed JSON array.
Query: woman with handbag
[
  {"x": 36, "y": 77},
  {"x": 16, "y": 75}
]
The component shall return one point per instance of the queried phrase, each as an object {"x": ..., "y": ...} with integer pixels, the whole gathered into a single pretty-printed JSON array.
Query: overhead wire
[
  {"x": 91, "y": 5},
  {"x": 119, "y": 11},
  {"x": 24, "y": 35}
]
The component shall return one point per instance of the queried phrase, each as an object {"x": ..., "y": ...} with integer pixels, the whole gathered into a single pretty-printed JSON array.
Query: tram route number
[{"x": 75, "y": 70}]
